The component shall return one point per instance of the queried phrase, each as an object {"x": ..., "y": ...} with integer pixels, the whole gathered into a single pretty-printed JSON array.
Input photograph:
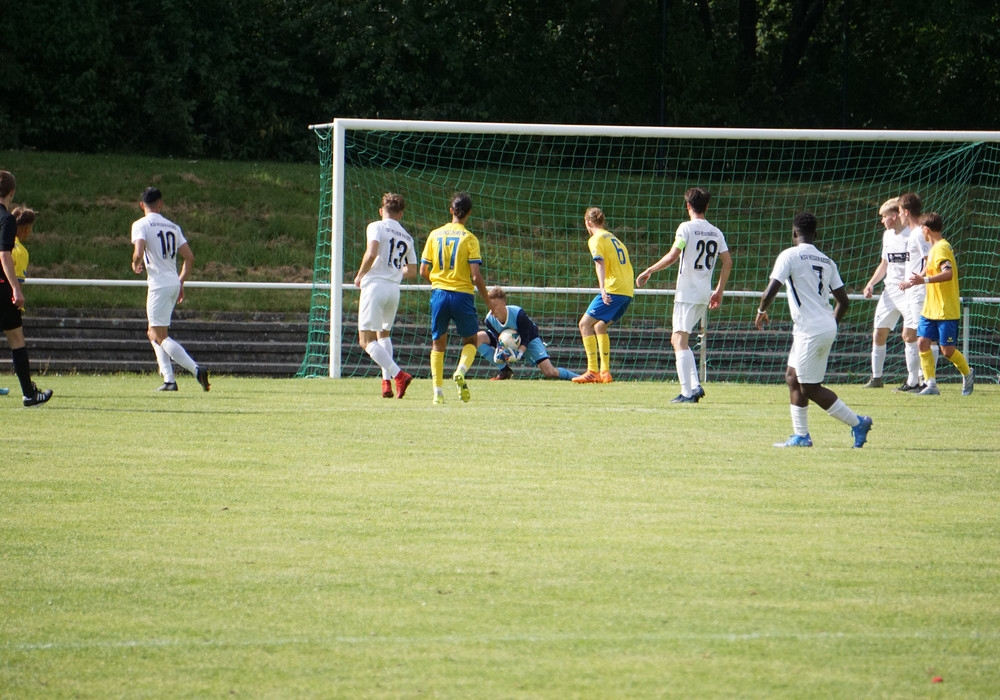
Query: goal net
[{"x": 532, "y": 183}]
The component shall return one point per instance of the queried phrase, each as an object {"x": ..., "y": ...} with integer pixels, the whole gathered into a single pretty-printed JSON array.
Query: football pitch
[{"x": 307, "y": 538}]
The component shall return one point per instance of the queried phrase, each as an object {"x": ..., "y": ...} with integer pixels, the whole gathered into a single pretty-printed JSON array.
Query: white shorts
[
  {"x": 809, "y": 354},
  {"x": 377, "y": 307},
  {"x": 688, "y": 317},
  {"x": 915, "y": 304},
  {"x": 160, "y": 304},
  {"x": 892, "y": 306}
]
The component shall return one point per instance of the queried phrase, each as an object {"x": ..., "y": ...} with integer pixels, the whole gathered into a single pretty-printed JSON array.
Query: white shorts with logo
[
  {"x": 688, "y": 317},
  {"x": 377, "y": 306},
  {"x": 894, "y": 305},
  {"x": 160, "y": 304},
  {"x": 809, "y": 355}
]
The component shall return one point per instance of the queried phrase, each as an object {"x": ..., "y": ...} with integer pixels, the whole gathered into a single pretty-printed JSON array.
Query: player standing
[
  {"x": 389, "y": 258},
  {"x": 942, "y": 307},
  {"x": 510, "y": 317},
  {"x": 892, "y": 304},
  {"x": 810, "y": 277},
  {"x": 450, "y": 262},
  {"x": 697, "y": 245},
  {"x": 157, "y": 242},
  {"x": 616, "y": 285},
  {"x": 917, "y": 249},
  {"x": 12, "y": 298}
]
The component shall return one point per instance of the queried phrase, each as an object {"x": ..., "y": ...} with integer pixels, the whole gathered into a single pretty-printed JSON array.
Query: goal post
[{"x": 531, "y": 183}]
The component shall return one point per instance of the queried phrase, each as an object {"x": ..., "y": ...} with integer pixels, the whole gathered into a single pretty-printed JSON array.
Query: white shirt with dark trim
[
  {"x": 808, "y": 276},
  {"x": 163, "y": 239}
]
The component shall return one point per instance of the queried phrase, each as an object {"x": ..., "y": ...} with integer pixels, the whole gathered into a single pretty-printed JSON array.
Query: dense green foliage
[
  {"x": 242, "y": 78},
  {"x": 306, "y": 538}
]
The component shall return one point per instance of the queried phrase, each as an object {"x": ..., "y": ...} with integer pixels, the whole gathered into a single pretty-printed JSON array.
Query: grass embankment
[{"x": 244, "y": 221}]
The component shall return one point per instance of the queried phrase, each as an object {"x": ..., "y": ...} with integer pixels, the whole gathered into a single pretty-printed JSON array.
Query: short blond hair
[{"x": 889, "y": 205}]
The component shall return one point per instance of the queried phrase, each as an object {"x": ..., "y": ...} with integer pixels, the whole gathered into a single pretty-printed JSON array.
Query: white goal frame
[{"x": 340, "y": 126}]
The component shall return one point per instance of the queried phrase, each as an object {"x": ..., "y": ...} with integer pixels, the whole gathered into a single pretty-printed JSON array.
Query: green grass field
[{"x": 306, "y": 538}]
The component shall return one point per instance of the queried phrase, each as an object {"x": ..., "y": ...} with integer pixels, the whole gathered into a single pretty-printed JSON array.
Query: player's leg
[
  {"x": 159, "y": 309},
  {"x": 535, "y": 352},
  {"x": 948, "y": 335},
  {"x": 589, "y": 335},
  {"x": 812, "y": 372},
  {"x": 603, "y": 350},
  {"x": 927, "y": 332},
  {"x": 440, "y": 319},
  {"x": 30, "y": 393},
  {"x": 686, "y": 320},
  {"x": 467, "y": 325},
  {"x": 887, "y": 314}
]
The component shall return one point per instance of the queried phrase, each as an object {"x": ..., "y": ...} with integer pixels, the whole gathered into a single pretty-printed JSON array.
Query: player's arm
[
  {"x": 410, "y": 271},
  {"x": 369, "y": 258},
  {"x": 601, "y": 276},
  {"x": 7, "y": 262},
  {"x": 425, "y": 270},
  {"x": 773, "y": 287},
  {"x": 877, "y": 277},
  {"x": 944, "y": 275},
  {"x": 138, "y": 254},
  {"x": 843, "y": 301},
  {"x": 186, "y": 266},
  {"x": 715, "y": 301},
  {"x": 672, "y": 256},
  {"x": 480, "y": 284}
]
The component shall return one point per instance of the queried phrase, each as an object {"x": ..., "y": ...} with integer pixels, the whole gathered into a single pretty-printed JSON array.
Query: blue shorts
[
  {"x": 457, "y": 307},
  {"x": 944, "y": 333},
  {"x": 609, "y": 313}
]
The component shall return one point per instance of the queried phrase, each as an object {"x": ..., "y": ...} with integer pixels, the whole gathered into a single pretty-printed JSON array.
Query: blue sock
[
  {"x": 485, "y": 351},
  {"x": 566, "y": 374}
]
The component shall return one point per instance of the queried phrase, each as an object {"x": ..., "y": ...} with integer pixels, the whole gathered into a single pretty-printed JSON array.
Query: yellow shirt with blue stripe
[
  {"x": 618, "y": 275},
  {"x": 942, "y": 302},
  {"x": 449, "y": 251}
]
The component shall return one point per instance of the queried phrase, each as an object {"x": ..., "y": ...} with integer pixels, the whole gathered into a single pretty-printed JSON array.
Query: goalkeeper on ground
[{"x": 515, "y": 318}]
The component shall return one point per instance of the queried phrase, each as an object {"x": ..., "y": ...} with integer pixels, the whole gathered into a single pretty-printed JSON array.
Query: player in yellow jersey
[
  {"x": 942, "y": 307},
  {"x": 451, "y": 262},
  {"x": 25, "y": 218},
  {"x": 616, "y": 282}
]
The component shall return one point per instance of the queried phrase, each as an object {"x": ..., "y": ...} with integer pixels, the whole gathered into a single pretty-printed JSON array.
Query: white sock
[
  {"x": 878, "y": 360},
  {"x": 163, "y": 362},
  {"x": 912, "y": 363},
  {"x": 843, "y": 413},
  {"x": 695, "y": 381},
  {"x": 386, "y": 344},
  {"x": 685, "y": 365},
  {"x": 179, "y": 355},
  {"x": 936, "y": 351},
  {"x": 382, "y": 359},
  {"x": 800, "y": 420}
]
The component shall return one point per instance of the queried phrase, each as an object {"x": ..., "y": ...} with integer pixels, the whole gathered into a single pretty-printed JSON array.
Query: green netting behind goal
[{"x": 530, "y": 192}]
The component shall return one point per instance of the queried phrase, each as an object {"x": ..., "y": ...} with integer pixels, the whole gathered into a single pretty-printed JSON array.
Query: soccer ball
[{"x": 511, "y": 340}]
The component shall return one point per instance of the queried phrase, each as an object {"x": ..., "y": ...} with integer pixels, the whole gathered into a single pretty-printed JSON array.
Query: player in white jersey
[
  {"x": 810, "y": 277},
  {"x": 157, "y": 242},
  {"x": 388, "y": 258},
  {"x": 892, "y": 303},
  {"x": 698, "y": 245},
  {"x": 917, "y": 250}
]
